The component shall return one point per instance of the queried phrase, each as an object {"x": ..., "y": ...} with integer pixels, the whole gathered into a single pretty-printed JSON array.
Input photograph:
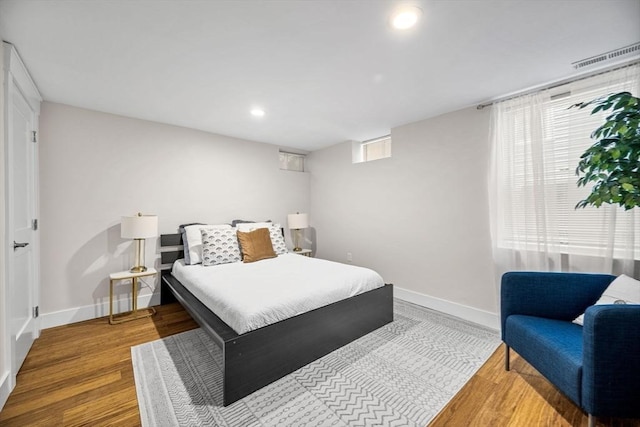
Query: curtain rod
[{"x": 559, "y": 83}]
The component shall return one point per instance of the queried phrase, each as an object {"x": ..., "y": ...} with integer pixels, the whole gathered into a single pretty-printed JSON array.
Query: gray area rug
[{"x": 402, "y": 374}]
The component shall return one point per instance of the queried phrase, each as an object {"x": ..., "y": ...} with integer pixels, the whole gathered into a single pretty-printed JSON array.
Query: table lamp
[
  {"x": 139, "y": 227},
  {"x": 297, "y": 221}
]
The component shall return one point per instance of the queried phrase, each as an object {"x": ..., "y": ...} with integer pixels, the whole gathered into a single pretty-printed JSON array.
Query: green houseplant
[{"x": 612, "y": 163}]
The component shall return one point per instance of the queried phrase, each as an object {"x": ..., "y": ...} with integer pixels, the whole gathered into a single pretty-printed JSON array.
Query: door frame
[{"x": 16, "y": 80}]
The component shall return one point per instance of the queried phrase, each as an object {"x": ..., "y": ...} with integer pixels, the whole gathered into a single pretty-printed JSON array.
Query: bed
[{"x": 260, "y": 356}]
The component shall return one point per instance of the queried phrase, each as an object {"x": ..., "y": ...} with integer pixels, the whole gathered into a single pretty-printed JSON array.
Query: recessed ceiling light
[
  {"x": 405, "y": 17},
  {"x": 257, "y": 112}
]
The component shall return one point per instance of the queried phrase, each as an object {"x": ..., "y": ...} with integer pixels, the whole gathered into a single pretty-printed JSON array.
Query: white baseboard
[
  {"x": 87, "y": 312},
  {"x": 475, "y": 315},
  {"x": 5, "y": 390}
]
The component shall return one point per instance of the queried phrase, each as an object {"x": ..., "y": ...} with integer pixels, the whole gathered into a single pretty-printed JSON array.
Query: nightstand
[
  {"x": 133, "y": 314},
  {"x": 304, "y": 252}
]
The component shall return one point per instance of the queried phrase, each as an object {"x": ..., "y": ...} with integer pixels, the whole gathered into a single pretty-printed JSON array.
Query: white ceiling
[{"x": 325, "y": 71}]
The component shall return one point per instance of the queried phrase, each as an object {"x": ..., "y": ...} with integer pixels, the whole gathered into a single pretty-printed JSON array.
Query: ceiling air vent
[{"x": 614, "y": 54}]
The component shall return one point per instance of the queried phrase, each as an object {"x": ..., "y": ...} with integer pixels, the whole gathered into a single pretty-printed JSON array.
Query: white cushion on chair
[{"x": 623, "y": 290}]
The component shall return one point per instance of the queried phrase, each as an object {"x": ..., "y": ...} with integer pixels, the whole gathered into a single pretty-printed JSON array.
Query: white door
[{"x": 21, "y": 211}]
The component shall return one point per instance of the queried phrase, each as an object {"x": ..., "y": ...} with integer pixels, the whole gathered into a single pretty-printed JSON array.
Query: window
[
  {"x": 538, "y": 141},
  {"x": 292, "y": 161},
  {"x": 373, "y": 149}
]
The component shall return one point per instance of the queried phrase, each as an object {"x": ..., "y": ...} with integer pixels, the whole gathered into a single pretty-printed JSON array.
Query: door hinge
[
  {"x": 36, "y": 312},
  {"x": 34, "y": 136},
  {"x": 35, "y": 224}
]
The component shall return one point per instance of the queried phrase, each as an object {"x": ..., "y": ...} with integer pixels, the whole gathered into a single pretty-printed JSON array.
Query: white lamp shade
[
  {"x": 139, "y": 227},
  {"x": 298, "y": 220}
]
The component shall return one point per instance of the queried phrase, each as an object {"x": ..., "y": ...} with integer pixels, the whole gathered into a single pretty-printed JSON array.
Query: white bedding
[{"x": 250, "y": 296}]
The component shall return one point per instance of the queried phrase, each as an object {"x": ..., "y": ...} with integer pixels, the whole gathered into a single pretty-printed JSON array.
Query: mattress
[{"x": 250, "y": 296}]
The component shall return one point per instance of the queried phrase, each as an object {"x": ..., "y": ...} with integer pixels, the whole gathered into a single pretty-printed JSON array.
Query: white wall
[
  {"x": 420, "y": 218},
  {"x": 96, "y": 167}
]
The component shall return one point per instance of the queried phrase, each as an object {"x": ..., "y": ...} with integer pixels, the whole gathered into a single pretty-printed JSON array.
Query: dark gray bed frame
[{"x": 259, "y": 357}]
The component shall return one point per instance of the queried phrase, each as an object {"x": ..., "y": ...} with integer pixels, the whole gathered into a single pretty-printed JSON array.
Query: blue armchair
[{"x": 597, "y": 365}]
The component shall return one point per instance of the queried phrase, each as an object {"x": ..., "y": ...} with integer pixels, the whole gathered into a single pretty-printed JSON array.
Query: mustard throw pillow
[{"x": 256, "y": 245}]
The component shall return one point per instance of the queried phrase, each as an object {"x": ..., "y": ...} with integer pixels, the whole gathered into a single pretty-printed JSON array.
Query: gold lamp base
[
  {"x": 137, "y": 268},
  {"x": 296, "y": 240}
]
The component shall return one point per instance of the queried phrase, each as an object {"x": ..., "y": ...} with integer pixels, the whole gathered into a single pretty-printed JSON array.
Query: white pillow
[
  {"x": 194, "y": 240},
  {"x": 623, "y": 290},
  {"x": 250, "y": 226}
]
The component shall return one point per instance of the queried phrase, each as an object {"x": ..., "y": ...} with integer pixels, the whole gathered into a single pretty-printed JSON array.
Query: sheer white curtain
[{"x": 537, "y": 141}]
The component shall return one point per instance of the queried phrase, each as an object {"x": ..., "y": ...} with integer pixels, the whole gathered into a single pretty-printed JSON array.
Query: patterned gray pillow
[
  {"x": 219, "y": 246},
  {"x": 277, "y": 240}
]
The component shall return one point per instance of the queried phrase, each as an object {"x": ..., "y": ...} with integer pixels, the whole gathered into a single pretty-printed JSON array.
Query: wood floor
[
  {"x": 81, "y": 374},
  {"x": 520, "y": 397}
]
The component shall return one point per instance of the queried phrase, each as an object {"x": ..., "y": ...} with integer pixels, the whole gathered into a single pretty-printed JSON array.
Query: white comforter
[{"x": 253, "y": 295}]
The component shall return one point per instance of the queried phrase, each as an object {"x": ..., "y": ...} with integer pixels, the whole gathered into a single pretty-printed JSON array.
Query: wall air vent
[{"x": 633, "y": 49}]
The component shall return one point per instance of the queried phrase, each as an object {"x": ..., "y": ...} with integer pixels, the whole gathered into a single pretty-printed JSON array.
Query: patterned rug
[{"x": 402, "y": 374}]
